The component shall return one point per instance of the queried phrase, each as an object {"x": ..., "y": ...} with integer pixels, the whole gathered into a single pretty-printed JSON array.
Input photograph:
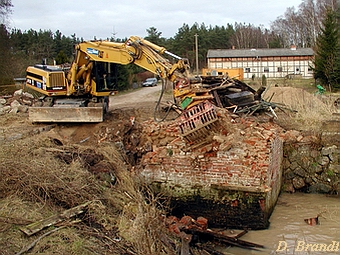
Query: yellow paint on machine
[{"x": 237, "y": 73}]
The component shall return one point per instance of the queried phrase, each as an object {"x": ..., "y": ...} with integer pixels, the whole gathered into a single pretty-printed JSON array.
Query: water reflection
[{"x": 290, "y": 234}]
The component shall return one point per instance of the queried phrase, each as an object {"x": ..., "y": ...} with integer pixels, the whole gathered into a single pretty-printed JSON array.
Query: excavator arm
[
  {"x": 87, "y": 80},
  {"x": 136, "y": 51}
]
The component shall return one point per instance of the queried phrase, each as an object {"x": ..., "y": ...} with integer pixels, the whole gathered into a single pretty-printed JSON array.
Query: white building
[{"x": 273, "y": 63}]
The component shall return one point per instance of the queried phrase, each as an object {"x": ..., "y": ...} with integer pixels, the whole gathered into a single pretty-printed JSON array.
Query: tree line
[{"x": 301, "y": 27}]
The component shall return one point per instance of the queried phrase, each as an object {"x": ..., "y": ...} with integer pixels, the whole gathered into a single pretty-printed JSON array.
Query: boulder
[
  {"x": 298, "y": 183},
  {"x": 320, "y": 188}
]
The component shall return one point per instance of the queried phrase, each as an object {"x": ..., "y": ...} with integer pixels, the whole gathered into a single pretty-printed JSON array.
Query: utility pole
[{"x": 196, "y": 44}]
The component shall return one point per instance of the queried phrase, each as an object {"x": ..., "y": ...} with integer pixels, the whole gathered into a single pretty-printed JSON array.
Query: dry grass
[
  {"x": 37, "y": 183},
  {"x": 306, "y": 111}
]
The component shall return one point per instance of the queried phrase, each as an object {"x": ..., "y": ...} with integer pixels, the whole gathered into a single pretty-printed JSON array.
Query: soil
[{"x": 137, "y": 105}]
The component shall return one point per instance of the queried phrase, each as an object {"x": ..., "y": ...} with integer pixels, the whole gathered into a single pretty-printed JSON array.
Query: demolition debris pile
[{"x": 18, "y": 102}]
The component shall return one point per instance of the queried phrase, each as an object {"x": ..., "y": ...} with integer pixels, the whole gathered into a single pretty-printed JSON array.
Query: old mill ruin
[
  {"x": 233, "y": 176},
  {"x": 222, "y": 167}
]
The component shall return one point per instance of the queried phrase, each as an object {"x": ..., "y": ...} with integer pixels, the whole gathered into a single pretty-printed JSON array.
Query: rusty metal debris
[
  {"x": 237, "y": 96},
  {"x": 315, "y": 220},
  {"x": 197, "y": 122},
  {"x": 312, "y": 221},
  {"x": 197, "y": 234}
]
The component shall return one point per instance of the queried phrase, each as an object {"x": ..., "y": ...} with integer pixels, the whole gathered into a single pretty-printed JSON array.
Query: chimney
[{"x": 292, "y": 47}]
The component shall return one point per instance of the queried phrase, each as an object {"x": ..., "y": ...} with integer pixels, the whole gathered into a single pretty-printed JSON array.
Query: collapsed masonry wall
[{"x": 233, "y": 181}]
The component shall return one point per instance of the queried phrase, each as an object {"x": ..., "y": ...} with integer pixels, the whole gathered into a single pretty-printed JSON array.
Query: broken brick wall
[{"x": 242, "y": 161}]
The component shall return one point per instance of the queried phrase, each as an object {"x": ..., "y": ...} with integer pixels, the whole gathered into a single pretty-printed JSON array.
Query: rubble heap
[
  {"x": 18, "y": 102},
  {"x": 239, "y": 166}
]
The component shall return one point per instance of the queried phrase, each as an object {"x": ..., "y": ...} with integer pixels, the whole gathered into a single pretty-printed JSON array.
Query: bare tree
[
  {"x": 249, "y": 36},
  {"x": 302, "y": 27},
  {"x": 5, "y": 10}
]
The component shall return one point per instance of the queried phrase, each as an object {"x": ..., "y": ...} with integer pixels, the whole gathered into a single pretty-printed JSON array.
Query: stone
[
  {"x": 326, "y": 151},
  {"x": 315, "y": 168},
  {"x": 308, "y": 180},
  {"x": 300, "y": 172},
  {"x": 23, "y": 108},
  {"x": 14, "y": 110},
  {"x": 293, "y": 165},
  {"x": 299, "y": 138},
  {"x": 335, "y": 168},
  {"x": 298, "y": 183},
  {"x": 323, "y": 161},
  {"x": 28, "y": 95},
  {"x": 18, "y": 92},
  {"x": 3, "y": 101},
  {"x": 289, "y": 175},
  {"x": 314, "y": 153},
  {"x": 27, "y": 102},
  {"x": 15, "y": 103},
  {"x": 5, "y": 109},
  {"x": 320, "y": 188},
  {"x": 288, "y": 187}
]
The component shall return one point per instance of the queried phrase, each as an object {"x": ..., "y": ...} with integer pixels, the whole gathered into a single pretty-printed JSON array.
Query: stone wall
[{"x": 312, "y": 162}]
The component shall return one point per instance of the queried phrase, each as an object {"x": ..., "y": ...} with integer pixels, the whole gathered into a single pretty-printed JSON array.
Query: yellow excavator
[{"x": 81, "y": 92}]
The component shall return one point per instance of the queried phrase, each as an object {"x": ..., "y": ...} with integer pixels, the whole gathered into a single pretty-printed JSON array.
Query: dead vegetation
[
  {"x": 40, "y": 178},
  {"x": 303, "y": 110}
]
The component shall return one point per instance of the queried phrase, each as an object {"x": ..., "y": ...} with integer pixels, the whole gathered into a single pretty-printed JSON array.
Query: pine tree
[
  {"x": 326, "y": 57},
  {"x": 337, "y": 60}
]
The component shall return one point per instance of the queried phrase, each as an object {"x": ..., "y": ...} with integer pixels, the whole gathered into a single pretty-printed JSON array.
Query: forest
[{"x": 301, "y": 27}]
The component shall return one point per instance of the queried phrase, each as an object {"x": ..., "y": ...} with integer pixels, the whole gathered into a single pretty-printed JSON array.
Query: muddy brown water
[{"x": 288, "y": 233}]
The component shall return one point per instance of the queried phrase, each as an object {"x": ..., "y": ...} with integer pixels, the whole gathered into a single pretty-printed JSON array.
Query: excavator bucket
[{"x": 65, "y": 114}]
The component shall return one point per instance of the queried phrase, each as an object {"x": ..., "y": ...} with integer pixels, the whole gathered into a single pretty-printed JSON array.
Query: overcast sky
[{"x": 104, "y": 18}]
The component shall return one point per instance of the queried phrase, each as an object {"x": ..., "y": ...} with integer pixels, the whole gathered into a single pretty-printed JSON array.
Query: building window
[
  {"x": 247, "y": 70},
  {"x": 310, "y": 70},
  {"x": 266, "y": 69},
  {"x": 280, "y": 69}
]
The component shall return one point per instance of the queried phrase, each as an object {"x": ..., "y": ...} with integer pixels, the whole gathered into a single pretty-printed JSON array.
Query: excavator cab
[
  {"x": 58, "y": 106},
  {"x": 105, "y": 75}
]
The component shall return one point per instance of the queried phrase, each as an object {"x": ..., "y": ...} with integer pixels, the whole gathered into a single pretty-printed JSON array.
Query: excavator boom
[{"x": 80, "y": 93}]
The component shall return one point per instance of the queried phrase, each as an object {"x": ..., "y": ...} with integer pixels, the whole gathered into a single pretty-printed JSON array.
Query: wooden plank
[{"x": 37, "y": 226}]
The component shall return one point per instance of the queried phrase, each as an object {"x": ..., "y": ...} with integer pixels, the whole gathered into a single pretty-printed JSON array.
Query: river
[{"x": 289, "y": 233}]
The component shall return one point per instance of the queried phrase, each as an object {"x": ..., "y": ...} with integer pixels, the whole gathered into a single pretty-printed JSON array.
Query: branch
[{"x": 30, "y": 246}]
